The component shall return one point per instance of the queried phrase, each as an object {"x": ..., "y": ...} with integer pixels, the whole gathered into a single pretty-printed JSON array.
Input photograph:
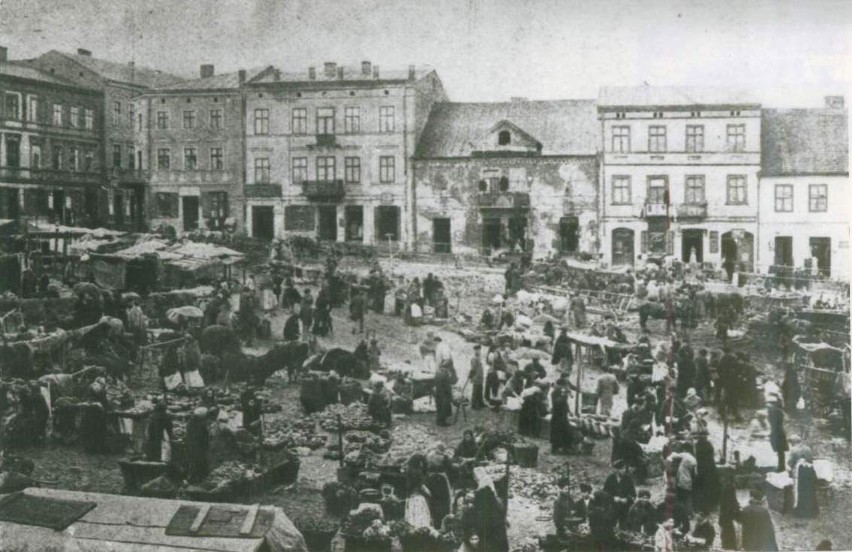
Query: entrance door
[
  {"x": 821, "y": 250},
  {"x": 622, "y": 246},
  {"x": 492, "y": 230},
  {"x": 137, "y": 203},
  {"x": 262, "y": 222},
  {"x": 441, "y": 237},
  {"x": 783, "y": 251},
  {"x": 328, "y": 223},
  {"x": 569, "y": 234},
  {"x": 692, "y": 246},
  {"x": 9, "y": 203},
  {"x": 518, "y": 232},
  {"x": 92, "y": 209},
  {"x": 354, "y": 223},
  {"x": 387, "y": 223},
  {"x": 59, "y": 206},
  {"x": 190, "y": 213}
]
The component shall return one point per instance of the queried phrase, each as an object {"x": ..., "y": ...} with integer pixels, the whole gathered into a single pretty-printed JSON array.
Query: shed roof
[
  {"x": 24, "y": 71},
  {"x": 563, "y": 127},
  {"x": 673, "y": 96},
  {"x": 805, "y": 141},
  {"x": 123, "y": 72}
]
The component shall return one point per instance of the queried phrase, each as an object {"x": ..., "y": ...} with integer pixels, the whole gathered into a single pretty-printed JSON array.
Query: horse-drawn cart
[{"x": 818, "y": 365}]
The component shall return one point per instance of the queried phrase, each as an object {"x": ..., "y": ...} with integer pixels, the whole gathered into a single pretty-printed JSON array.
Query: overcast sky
[{"x": 792, "y": 53}]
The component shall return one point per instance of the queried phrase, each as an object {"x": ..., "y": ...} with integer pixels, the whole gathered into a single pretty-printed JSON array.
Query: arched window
[
  {"x": 504, "y": 138},
  {"x": 504, "y": 184}
]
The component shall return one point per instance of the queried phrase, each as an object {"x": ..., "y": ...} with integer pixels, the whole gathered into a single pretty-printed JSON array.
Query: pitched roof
[
  {"x": 225, "y": 81},
  {"x": 124, "y": 72},
  {"x": 684, "y": 96},
  {"x": 24, "y": 71},
  {"x": 350, "y": 74},
  {"x": 805, "y": 141},
  {"x": 563, "y": 127}
]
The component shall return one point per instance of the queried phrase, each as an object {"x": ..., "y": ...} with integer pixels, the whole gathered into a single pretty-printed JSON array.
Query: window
[
  {"x": 504, "y": 138},
  {"x": 190, "y": 159},
  {"x": 325, "y": 120},
  {"x": 164, "y": 159},
  {"x": 216, "y": 159},
  {"x": 352, "y": 170},
  {"x": 694, "y": 138},
  {"x": 326, "y": 169},
  {"x": 35, "y": 156},
  {"x": 32, "y": 109},
  {"x": 736, "y": 194},
  {"x": 261, "y": 170},
  {"x": 783, "y": 198},
  {"x": 167, "y": 204},
  {"x": 621, "y": 190},
  {"x": 657, "y": 190},
  {"x": 131, "y": 158},
  {"x": 352, "y": 120},
  {"x": 216, "y": 118},
  {"x": 694, "y": 190},
  {"x": 656, "y": 139},
  {"x": 216, "y": 206},
  {"x": 13, "y": 106},
  {"x": 57, "y": 115},
  {"x": 387, "y": 169},
  {"x": 162, "y": 120},
  {"x": 88, "y": 161},
  {"x": 131, "y": 114},
  {"x": 386, "y": 118},
  {"x": 189, "y": 118},
  {"x": 621, "y": 139},
  {"x": 817, "y": 198},
  {"x": 299, "y": 120},
  {"x": 736, "y": 137},
  {"x": 73, "y": 159},
  {"x": 261, "y": 122},
  {"x": 58, "y": 159},
  {"x": 74, "y": 117},
  {"x": 89, "y": 118},
  {"x": 139, "y": 120},
  {"x": 116, "y": 155},
  {"x": 116, "y": 112},
  {"x": 13, "y": 151},
  {"x": 300, "y": 169}
]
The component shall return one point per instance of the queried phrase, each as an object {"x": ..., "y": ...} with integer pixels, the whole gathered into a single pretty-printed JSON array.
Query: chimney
[
  {"x": 366, "y": 68},
  {"x": 834, "y": 102},
  {"x": 412, "y": 72},
  {"x": 84, "y": 52},
  {"x": 340, "y": 73},
  {"x": 329, "y": 69},
  {"x": 312, "y": 73},
  {"x": 4, "y": 54},
  {"x": 241, "y": 76},
  {"x": 207, "y": 70},
  {"x": 375, "y": 71}
]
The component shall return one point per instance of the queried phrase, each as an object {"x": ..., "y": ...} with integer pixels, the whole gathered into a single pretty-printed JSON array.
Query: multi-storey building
[
  {"x": 804, "y": 189},
  {"x": 328, "y": 152},
  {"x": 51, "y": 146},
  {"x": 122, "y": 203},
  {"x": 190, "y": 138},
  {"x": 507, "y": 175},
  {"x": 679, "y": 174}
]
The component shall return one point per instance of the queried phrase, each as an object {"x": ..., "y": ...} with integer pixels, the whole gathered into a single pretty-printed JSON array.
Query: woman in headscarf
[
  {"x": 560, "y": 430},
  {"x": 706, "y": 485},
  {"x": 729, "y": 512}
]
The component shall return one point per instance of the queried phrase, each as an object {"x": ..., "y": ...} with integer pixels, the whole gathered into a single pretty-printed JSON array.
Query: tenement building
[
  {"x": 679, "y": 175},
  {"x": 804, "y": 189},
  {"x": 190, "y": 138},
  {"x": 51, "y": 146},
  {"x": 519, "y": 175},
  {"x": 328, "y": 151}
]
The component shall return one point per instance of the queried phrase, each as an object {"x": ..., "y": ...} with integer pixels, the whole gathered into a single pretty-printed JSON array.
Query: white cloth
[
  {"x": 443, "y": 353},
  {"x": 193, "y": 379},
  {"x": 417, "y": 511},
  {"x": 173, "y": 381}
]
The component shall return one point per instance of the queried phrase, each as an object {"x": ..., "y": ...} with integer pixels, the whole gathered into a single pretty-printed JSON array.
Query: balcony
[
  {"x": 49, "y": 176},
  {"x": 505, "y": 200},
  {"x": 130, "y": 176},
  {"x": 263, "y": 190},
  {"x": 326, "y": 141},
  {"x": 324, "y": 190},
  {"x": 655, "y": 210},
  {"x": 692, "y": 211}
]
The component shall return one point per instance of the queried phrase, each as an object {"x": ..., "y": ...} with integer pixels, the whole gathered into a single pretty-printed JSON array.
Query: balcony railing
[
  {"x": 324, "y": 190},
  {"x": 505, "y": 200},
  {"x": 655, "y": 210},
  {"x": 50, "y": 176},
  {"x": 692, "y": 210},
  {"x": 130, "y": 176},
  {"x": 263, "y": 190},
  {"x": 326, "y": 140}
]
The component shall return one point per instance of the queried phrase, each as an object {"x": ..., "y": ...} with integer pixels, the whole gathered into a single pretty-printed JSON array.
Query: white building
[{"x": 804, "y": 189}]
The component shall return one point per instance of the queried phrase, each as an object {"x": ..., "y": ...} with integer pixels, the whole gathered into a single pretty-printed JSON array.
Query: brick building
[
  {"x": 501, "y": 175},
  {"x": 328, "y": 152},
  {"x": 190, "y": 138},
  {"x": 804, "y": 188},
  {"x": 51, "y": 146}
]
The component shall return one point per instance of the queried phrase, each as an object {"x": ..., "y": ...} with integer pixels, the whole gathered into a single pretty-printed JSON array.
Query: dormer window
[{"x": 504, "y": 138}]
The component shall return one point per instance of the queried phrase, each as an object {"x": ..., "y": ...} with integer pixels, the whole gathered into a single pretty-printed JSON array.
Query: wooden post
[
  {"x": 725, "y": 438},
  {"x": 579, "y": 383},
  {"x": 340, "y": 437}
]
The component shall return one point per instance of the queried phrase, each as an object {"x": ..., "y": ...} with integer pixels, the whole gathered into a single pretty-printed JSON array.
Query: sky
[{"x": 791, "y": 53}]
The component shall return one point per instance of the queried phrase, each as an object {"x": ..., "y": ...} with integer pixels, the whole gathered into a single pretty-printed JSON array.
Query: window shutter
[
  {"x": 670, "y": 235},
  {"x": 644, "y": 238}
]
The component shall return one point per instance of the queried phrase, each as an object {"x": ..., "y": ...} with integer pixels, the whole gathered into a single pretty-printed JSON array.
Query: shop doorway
[
  {"x": 783, "y": 251},
  {"x": 737, "y": 251},
  {"x": 328, "y": 223},
  {"x": 190, "y": 213},
  {"x": 262, "y": 222},
  {"x": 692, "y": 246},
  {"x": 622, "y": 246},
  {"x": 569, "y": 235},
  {"x": 354, "y": 223},
  {"x": 492, "y": 233},
  {"x": 441, "y": 237},
  {"x": 518, "y": 232},
  {"x": 821, "y": 251},
  {"x": 387, "y": 223}
]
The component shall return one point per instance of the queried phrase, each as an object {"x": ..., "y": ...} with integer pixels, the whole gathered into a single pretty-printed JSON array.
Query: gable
[{"x": 506, "y": 137}]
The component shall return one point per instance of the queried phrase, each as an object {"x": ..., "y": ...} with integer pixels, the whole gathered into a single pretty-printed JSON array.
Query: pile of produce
[
  {"x": 367, "y": 440},
  {"x": 353, "y": 416},
  {"x": 339, "y": 498},
  {"x": 232, "y": 472},
  {"x": 118, "y": 395},
  {"x": 366, "y": 525},
  {"x": 300, "y": 432}
]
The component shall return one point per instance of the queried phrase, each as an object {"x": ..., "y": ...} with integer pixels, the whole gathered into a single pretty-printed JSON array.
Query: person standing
[
  {"x": 729, "y": 512},
  {"x": 777, "y": 434},
  {"x": 702, "y": 382},
  {"x": 445, "y": 378},
  {"x": 607, "y": 387},
  {"x": 159, "y": 435},
  {"x": 758, "y": 529},
  {"x": 291, "y": 327},
  {"x": 252, "y": 410},
  {"x": 706, "y": 484},
  {"x": 728, "y": 380},
  {"x": 357, "y": 311},
  {"x": 374, "y": 355},
  {"x": 685, "y": 369},
  {"x": 562, "y": 355},
  {"x": 602, "y": 521},
  {"x": 477, "y": 379},
  {"x": 306, "y": 313},
  {"x": 560, "y": 429},
  {"x": 619, "y": 485},
  {"x": 379, "y": 405},
  {"x": 685, "y": 476},
  {"x": 197, "y": 445}
]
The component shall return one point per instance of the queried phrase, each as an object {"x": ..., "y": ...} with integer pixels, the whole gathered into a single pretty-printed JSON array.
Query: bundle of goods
[
  {"x": 369, "y": 441},
  {"x": 339, "y": 498},
  {"x": 301, "y": 432},
  {"x": 352, "y": 417},
  {"x": 598, "y": 427},
  {"x": 118, "y": 395}
]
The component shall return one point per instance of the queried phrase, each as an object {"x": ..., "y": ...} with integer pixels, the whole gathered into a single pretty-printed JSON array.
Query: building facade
[
  {"x": 679, "y": 175},
  {"x": 804, "y": 189},
  {"x": 190, "y": 139},
  {"x": 51, "y": 146},
  {"x": 513, "y": 175},
  {"x": 328, "y": 152}
]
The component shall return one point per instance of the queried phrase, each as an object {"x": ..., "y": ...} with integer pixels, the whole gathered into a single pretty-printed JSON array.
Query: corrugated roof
[
  {"x": 24, "y": 71},
  {"x": 225, "y": 81},
  {"x": 563, "y": 127},
  {"x": 124, "y": 72},
  {"x": 350, "y": 73},
  {"x": 805, "y": 141},
  {"x": 648, "y": 96}
]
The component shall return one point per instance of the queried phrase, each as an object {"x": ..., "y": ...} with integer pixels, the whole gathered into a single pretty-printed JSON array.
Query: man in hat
[
  {"x": 758, "y": 530},
  {"x": 619, "y": 485},
  {"x": 777, "y": 434},
  {"x": 445, "y": 379},
  {"x": 358, "y": 310},
  {"x": 642, "y": 516}
]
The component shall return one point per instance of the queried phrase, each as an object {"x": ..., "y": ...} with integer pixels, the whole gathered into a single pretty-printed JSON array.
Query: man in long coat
[
  {"x": 562, "y": 355},
  {"x": 445, "y": 378},
  {"x": 757, "y": 528},
  {"x": 777, "y": 435}
]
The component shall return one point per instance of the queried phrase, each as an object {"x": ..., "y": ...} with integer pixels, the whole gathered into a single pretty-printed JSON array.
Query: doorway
[
  {"x": 262, "y": 222},
  {"x": 738, "y": 251},
  {"x": 354, "y": 223},
  {"x": 821, "y": 251},
  {"x": 692, "y": 245},
  {"x": 783, "y": 251},
  {"x": 492, "y": 230},
  {"x": 59, "y": 206},
  {"x": 569, "y": 234},
  {"x": 190, "y": 213},
  {"x": 92, "y": 209},
  {"x": 622, "y": 246},
  {"x": 441, "y": 237},
  {"x": 387, "y": 223},
  {"x": 137, "y": 209},
  {"x": 9, "y": 203},
  {"x": 518, "y": 232},
  {"x": 328, "y": 223}
]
